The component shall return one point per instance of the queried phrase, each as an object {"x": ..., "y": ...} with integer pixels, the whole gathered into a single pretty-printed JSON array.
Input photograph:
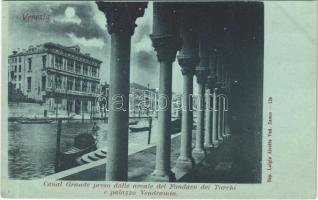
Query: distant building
[
  {"x": 143, "y": 100},
  {"x": 176, "y": 106},
  {"x": 63, "y": 78}
]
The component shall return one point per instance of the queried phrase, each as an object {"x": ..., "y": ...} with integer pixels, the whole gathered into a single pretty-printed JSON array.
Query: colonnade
[{"x": 176, "y": 34}]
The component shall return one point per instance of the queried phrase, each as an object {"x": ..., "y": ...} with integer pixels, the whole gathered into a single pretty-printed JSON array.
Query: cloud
[
  {"x": 69, "y": 16},
  {"x": 143, "y": 45},
  {"x": 93, "y": 42},
  {"x": 83, "y": 19}
]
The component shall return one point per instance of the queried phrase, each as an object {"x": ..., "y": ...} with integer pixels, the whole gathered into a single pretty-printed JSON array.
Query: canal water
[{"x": 32, "y": 147}]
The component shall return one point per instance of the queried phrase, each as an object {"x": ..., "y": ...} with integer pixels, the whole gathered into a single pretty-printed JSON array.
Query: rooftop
[{"x": 75, "y": 49}]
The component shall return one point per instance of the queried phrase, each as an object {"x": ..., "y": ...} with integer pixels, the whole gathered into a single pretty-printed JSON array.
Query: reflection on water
[{"x": 32, "y": 146}]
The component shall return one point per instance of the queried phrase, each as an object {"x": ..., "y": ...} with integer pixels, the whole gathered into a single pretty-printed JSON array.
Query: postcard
[{"x": 159, "y": 99}]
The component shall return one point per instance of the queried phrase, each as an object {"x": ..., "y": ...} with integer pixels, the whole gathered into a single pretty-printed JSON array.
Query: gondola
[
  {"x": 83, "y": 144},
  {"x": 139, "y": 129},
  {"x": 92, "y": 156},
  {"x": 35, "y": 121},
  {"x": 133, "y": 122}
]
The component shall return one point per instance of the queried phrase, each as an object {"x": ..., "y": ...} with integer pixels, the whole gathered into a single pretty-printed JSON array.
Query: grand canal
[{"x": 32, "y": 147}]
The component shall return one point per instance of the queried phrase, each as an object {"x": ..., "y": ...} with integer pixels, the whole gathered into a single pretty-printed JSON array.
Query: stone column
[
  {"x": 227, "y": 113},
  {"x": 199, "y": 150},
  {"x": 215, "y": 140},
  {"x": 166, "y": 42},
  {"x": 121, "y": 24},
  {"x": 218, "y": 97},
  {"x": 201, "y": 73},
  {"x": 208, "y": 120},
  {"x": 224, "y": 101},
  {"x": 188, "y": 59},
  {"x": 220, "y": 116}
]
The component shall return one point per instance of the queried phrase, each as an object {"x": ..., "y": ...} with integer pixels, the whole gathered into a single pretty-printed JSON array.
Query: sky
[{"x": 81, "y": 23}]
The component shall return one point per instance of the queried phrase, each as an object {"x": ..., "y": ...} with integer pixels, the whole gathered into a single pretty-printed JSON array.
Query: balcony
[
  {"x": 71, "y": 92},
  {"x": 73, "y": 74}
]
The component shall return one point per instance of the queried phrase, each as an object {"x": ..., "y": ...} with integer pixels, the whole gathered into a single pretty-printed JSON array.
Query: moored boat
[
  {"x": 139, "y": 129},
  {"x": 83, "y": 144},
  {"x": 35, "y": 120},
  {"x": 133, "y": 122}
]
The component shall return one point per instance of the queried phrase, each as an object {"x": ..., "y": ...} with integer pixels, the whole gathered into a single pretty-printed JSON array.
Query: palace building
[{"x": 63, "y": 78}]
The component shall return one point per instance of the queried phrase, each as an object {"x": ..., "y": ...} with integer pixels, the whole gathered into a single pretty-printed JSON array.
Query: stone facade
[{"x": 61, "y": 77}]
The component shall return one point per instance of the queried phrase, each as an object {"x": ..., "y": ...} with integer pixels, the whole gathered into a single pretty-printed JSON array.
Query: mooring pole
[
  {"x": 149, "y": 133},
  {"x": 58, "y": 144}
]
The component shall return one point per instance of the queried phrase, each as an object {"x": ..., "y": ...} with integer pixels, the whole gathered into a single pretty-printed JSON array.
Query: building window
[
  {"x": 14, "y": 77},
  {"x": 44, "y": 61},
  {"x": 20, "y": 68},
  {"x": 43, "y": 82},
  {"x": 30, "y": 64},
  {"x": 77, "y": 68},
  {"x": 29, "y": 83},
  {"x": 58, "y": 81},
  {"x": 93, "y": 87},
  {"x": 70, "y": 65},
  {"x": 52, "y": 61},
  {"x": 20, "y": 60},
  {"x": 85, "y": 70},
  {"x": 84, "y": 86},
  {"x": 50, "y": 77},
  {"x": 84, "y": 106},
  {"x": 20, "y": 77},
  {"x": 70, "y": 83},
  {"x": 15, "y": 68},
  {"x": 19, "y": 86},
  {"x": 94, "y": 73},
  {"x": 77, "y": 84},
  {"x": 58, "y": 62}
]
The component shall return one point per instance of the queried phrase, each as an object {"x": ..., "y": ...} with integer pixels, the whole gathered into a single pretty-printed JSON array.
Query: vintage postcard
[{"x": 158, "y": 99}]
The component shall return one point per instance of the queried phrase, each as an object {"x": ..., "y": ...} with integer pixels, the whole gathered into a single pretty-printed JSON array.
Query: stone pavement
[{"x": 235, "y": 161}]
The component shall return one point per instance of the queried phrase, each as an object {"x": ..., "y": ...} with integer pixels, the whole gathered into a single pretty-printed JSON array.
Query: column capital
[
  {"x": 201, "y": 73},
  {"x": 121, "y": 16},
  {"x": 166, "y": 46},
  {"x": 211, "y": 81},
  {"x": 188, "y": 64}
]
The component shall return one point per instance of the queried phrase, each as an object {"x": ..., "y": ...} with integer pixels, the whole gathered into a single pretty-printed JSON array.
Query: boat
[
  {"x": 139, "y": 129},
  {"x": 133, "y": 122},
  {"x": 83, "y": 144},
  {"x": 93, "y": 156},
  {"x": 35, "y": 120}
]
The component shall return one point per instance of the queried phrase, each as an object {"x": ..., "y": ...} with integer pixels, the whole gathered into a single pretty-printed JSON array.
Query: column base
[
  {"x": 216, "y": 144},
  {"x": 184, "y": 165},
  {"x": 208, "y": 147},
  {"x": 198, "y": 154},
  {"x": 159, "y": 176},
  {"x": 227, "y": 131}
]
